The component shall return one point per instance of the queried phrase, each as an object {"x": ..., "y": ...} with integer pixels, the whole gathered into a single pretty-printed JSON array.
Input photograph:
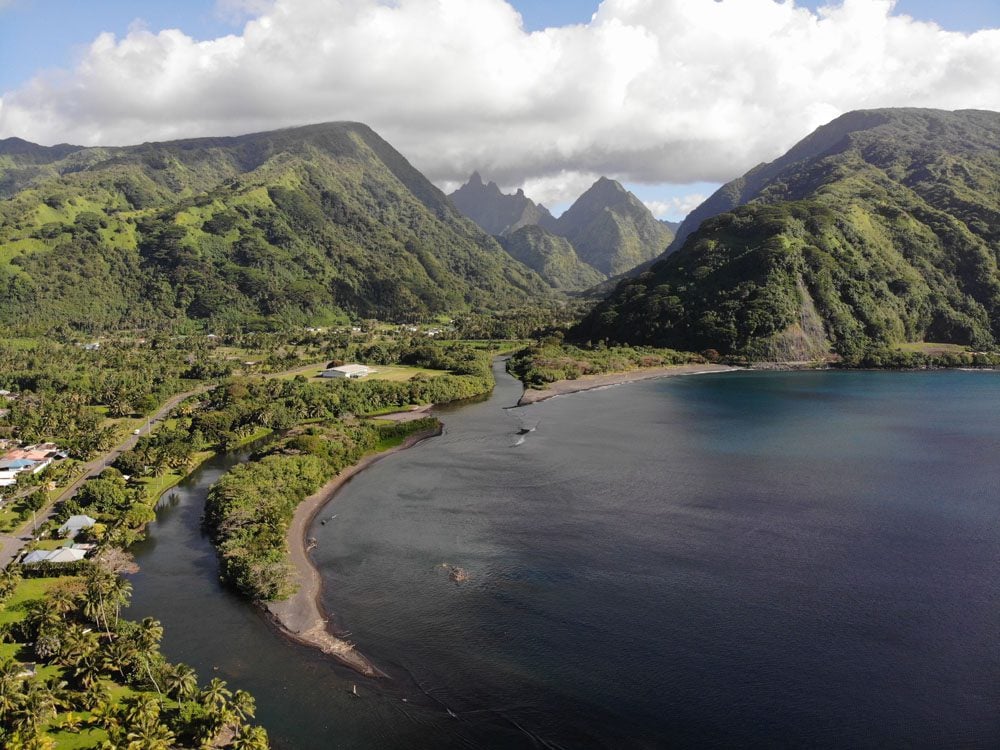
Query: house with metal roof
[
  {"x": 61, "y": 555},
  {"x": 75, "y": 524}
]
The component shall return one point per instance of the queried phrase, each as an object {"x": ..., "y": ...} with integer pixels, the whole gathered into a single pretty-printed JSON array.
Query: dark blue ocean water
[{"x": 740, "y": 560}]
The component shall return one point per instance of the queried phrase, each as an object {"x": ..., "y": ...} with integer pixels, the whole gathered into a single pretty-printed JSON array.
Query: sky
[{"x": 672, "y": 97}]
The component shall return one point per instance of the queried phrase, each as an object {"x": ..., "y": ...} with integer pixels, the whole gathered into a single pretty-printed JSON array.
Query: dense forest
[{"x": 882, "y": 228}]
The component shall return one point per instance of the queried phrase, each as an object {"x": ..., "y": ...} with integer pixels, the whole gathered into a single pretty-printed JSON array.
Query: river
[{"x": 739, "y": 559}]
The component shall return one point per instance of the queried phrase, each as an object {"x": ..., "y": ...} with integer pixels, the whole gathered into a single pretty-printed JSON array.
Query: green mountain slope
[
  {"x": 552, "y": 257},
  {"x": 495, "y": 212},
  {"x": 880, "y": 228},
  {"x": 611, "y": 229},
  {"x": 288, "y": 227}
]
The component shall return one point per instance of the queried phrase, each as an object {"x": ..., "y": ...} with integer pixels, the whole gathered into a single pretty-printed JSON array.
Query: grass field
[
  {"x": 928, "y": 347},
  {"x": 27, "y": 590}
]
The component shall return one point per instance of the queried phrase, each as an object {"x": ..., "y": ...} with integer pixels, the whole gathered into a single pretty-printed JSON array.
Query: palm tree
[
  {"x": 37, "y": 706},
  {"x": 216, "y": 695},
  {"x": 88, "y": 671},
  {"x": 147, "y": 642},
  {"x": 77, "y": 645},
  {"x": 251, "y": 738},
  {"x": 182, "y": 682},
  {"x": 104, "y": 715},
  {"x": 243, "y": 706},
  {"x": 11, "y": 689},
  {"x": 94, "y": 606},
  {"x": 151, "y": 736},
  {"x": 63, "y": 599},
  {"x": 106, "y": 593},
  {"x": 9, "y": 578}
]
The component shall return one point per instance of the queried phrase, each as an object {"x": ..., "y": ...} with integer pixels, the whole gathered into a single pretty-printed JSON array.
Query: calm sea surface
[{"x": 749, "y": 559}]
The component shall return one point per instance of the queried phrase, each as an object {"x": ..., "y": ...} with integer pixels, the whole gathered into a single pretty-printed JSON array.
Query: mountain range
[
  {"x": 298, "y": 226},
  {"x": 606, "y": 232},
  {"x": 881, "y": 227}
]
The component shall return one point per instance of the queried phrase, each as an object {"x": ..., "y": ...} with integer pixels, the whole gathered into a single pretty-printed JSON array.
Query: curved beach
[
  {"x": 302, "y": 617},
  {"x": 589, "y": 382}
]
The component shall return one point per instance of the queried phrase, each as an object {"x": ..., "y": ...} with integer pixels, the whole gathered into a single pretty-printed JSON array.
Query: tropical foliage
[
  {"x": 296, "y": 227},
  {"x": 96, "y": 675}
]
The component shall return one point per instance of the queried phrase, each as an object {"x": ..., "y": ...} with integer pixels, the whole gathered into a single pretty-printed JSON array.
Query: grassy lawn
[
  {"x": 50, "y": 544},
  {"x": 26, "y": 591},
  {"x": 401, "y": 373},
  {"x": 153, "y": 487},
  {"x": 9, "y": 518},
  {"x": 310, "y": 371},
  {"x": 928, "y": 347},
  {"x": 85, "y": 737}
]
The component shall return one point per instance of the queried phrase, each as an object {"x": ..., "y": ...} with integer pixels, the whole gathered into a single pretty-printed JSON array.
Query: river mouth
[{"x": 755, "y": 558}]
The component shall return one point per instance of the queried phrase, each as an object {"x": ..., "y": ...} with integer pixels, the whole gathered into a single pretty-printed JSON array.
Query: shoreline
[
  {"x": 590, "y": 382},
  {"x": 302, "y": 617}
]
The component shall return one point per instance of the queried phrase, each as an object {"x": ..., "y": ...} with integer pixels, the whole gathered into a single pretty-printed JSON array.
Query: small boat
[
  {"x": 451, "y": 713},
  {"x": 354, "y": 691}
]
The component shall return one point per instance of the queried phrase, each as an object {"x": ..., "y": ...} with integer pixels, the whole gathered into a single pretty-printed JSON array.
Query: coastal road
[{"x": 11, "y": 544}]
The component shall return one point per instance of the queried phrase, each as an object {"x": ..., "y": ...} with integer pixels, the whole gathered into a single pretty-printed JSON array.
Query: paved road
[{"x": 11, "y": 544}]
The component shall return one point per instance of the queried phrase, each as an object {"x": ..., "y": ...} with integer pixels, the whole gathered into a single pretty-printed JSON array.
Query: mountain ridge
[
  {"x": 302, "y": 224},
  {"x": 882, "y": 227}
]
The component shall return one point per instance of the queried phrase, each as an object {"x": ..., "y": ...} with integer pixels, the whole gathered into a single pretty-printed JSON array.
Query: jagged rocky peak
[{"x": 495, "y": 211}]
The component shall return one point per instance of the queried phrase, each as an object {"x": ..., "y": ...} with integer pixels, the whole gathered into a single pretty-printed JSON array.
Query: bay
[{"x": 724, "y": 560}]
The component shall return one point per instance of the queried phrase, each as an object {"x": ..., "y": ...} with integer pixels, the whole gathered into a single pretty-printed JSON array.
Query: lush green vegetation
[
  {"x": 553, "y": 257},
  {"x": 876, "y": 231},
  {"x": 320, "y": 434},
  {"x": 551, "y": 360},
  {"x": 291, "y": 228},
  {"x": 249, "y": 509},
  {"x": 75, "y": 673}
]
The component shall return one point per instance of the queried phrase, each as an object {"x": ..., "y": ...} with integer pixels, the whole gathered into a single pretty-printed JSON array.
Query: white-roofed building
[
  {"x": 61, "y": 555},
  {"x": 347, "y": 371}
]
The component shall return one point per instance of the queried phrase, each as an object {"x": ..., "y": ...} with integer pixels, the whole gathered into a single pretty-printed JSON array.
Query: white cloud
[
  {"x": 676, "y": 209},
  {"x": 649, "y": 91}
]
